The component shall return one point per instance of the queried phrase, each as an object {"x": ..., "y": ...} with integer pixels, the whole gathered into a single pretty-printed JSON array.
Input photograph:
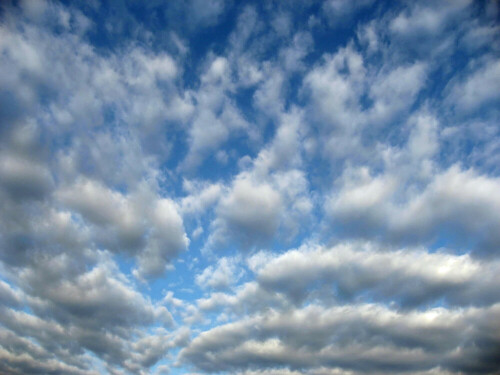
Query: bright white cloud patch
[{"x": 252, "y": 188}]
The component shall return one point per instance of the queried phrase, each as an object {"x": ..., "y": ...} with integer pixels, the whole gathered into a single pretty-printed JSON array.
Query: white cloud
[
  {"x": 477, "y": 89},
  {"x": 216, "y": 118},
  {"x": 221, "y": 276},
  {"x": 395, "y": 91},
  {"x": 406, "y": 276},
  {"x": 339, "y": 11},
  {"x": 458, "y": 200},
  {"x": 167, "y": 240},
  {"x": 335, "y": 87},
  {"x": 251, "y": 212},
  {"x": 201, "y": 197},
  {"x": 271, "y": 194},
  {"x": 205, "y": 13},
  {"x": 247, "y": 298},
  {"x": 421, "y": 19},
  {"x": 269, "y": 96}
]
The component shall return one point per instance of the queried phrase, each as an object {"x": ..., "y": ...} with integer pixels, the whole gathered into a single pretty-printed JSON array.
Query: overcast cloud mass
[{"x": 249, "y": 187}]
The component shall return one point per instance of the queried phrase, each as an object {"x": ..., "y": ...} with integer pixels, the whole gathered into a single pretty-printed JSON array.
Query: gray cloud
[
  {"x": 409, "y": 277},
  {"x": 140, "y": 222},
  {"x": 252, "y": 210},
  {"x": 357, "y": 337},
  {"x": 96, "y": 310},
  {"x": 458, "y": 205}
]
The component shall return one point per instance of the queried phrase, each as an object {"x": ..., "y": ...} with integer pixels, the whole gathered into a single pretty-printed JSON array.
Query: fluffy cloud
[
  {"x": 457, "y": 207},
  {"x": 478, "y": 89},
  {"x": 408, "y": 277},
  {"x": 216, "y": 118},
  {"x": 79, "y": 312},
  {"x": 362, "y": 337},
  {"x": 23, "y": 179},
  {"x": 251, "y": 210},
  {"x": 139, "y": 223},
  {"x": 222, "y": 276}
]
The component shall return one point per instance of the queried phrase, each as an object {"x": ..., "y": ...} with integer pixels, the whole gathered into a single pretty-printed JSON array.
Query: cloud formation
[{"x": 249, "y": 188}]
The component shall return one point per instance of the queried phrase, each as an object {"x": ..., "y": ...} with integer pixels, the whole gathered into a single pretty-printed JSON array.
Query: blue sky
[{"x": 252, "y": 188}]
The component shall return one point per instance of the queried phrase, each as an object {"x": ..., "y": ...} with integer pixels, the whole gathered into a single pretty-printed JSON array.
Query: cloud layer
[{"x": 249, "y": 188}]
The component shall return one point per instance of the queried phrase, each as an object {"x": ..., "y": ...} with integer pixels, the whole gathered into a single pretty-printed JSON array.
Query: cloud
[
  {"x": 395, "y": 91},
  {"x": 221, "y": 276},
  {"x": 98, "y": 298},
  {"x": 408, "y": 277},
  {"x": 247, "y": 297},
  {"x": 424, "y": 19},
  {"x": 23, "y": 179},
  {"x": 9, "y": 296},
  {"x": 76, "y": 311},
  {"x": 201, "y": 197},
  {"x": 457, "y": 206},
  {"x": 358, "y": 337},
  {"x": 339, "y": 11},
  {"x": 140, "y": 223},
  {"x": 167, "y": 240},
  {"x": 351, "y": 100},
  {"x": 251, "y": 211},
  {"x": 477, "y": 90},
  {"x": 271, "y": 196},
  {"x": 216, "y": 118},
  {"x": 206, "y": 13},
  {"x": 335, "y": 88}
]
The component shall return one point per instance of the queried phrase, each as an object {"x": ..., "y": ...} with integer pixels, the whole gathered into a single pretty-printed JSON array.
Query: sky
[{"x": 249, "y": 187}]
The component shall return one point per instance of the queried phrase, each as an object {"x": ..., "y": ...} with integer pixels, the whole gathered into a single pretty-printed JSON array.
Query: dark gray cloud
[{"x": 76, "y": 311}]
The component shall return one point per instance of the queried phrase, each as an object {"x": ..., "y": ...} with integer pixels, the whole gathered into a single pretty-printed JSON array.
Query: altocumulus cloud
[{"x": 249, "y": 188}]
